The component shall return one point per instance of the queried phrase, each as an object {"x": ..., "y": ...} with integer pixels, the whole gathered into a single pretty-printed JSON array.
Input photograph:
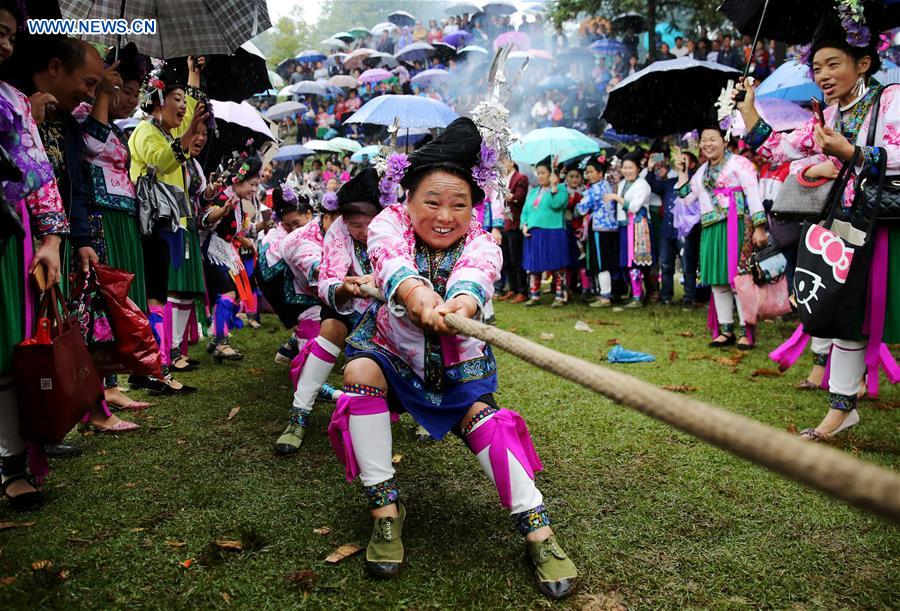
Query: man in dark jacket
[{"x": 512, "y": 243}]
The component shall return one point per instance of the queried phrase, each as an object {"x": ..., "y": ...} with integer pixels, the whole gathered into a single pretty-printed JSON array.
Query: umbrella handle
[{"x": 742, "y": 95}]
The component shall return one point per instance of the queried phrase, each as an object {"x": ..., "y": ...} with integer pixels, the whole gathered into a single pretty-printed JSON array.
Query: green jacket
[{"x": 550, "y": 212}]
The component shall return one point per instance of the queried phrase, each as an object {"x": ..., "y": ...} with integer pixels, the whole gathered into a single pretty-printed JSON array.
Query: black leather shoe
[{"x": 61, "y": 450}]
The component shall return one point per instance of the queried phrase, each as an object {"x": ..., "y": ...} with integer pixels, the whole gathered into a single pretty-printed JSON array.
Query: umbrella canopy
[
  {"x": 306, "y": 88},
  {"x": 443, "y": 51},
  {"x": 458, "y": 38},
  {"x": 241, "y": 114},
  {"x": 558, "y": 81},
  {"x": 667, "y": 97},
  {"x": 293, "y": 151},
  {"x": 408, "y": 137},
  {"x": 411, "y": 110},
  {"x": 473, "y": 49},
  {"x": 499, "y": 7},
  {"x": 366, "y": 151},
  {"x": 344, "y": 36},
  {"x": 233, "y": 77},
  {"x": 381, "y": 60},
  {"x": 431, "y": 77},
  {"x": 334, "y": 43},
  {"x": 416, "y": 51},
  {"x": 344, "y": 81},
  {"x": 183, "y": 27},
  {"x": 629, "y": 21},
  {"x": 461, "y": 8},
  {"x": 888, "y": 77},
  {"x": 607, "y": 46},
  {"x": 782, "y": 115},
  {"x": 276, "y": 80},
  {"x": 384, "y": 26},
  {"x": 310, "y": 56},
  {"x": 560, "y": 143},
  {"x": 532, "y": 53},
  {"x": 519, "y": 40},
  {"x": 356, "y": 57},
  {"x": 401, "y": 73},
  {"x": 401, "y": 18},
  {"x": 284, "y": 109},
  {"x": 791, "y": 81},
  {"x": 322, "y": 146},
  {"x": 375, "y": 75},
  {"x": 360, "y": 32},
  {"x": 346, "y": 144}
]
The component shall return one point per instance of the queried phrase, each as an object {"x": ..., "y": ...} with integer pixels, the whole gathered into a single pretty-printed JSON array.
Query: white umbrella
[
  {"x": 461, "y": 8},
  {"x": 334, "y": 43},
  {"x": 284, "y": 109},
  {"x": 384, "y": 26},
  {"x": 343, "y": 80},
  {"x": 276, "y": 80},
  {"x": 307, "y": 88},
  {"x": 241, "y": 114},
  {"x": 322, "y": 146},
  {"x": 346, "y": 144}
]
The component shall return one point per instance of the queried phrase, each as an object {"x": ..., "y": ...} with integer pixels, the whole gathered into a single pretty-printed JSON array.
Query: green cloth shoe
[
  {"x": 554, "y": 571},
  {"x": 384, "y": 555},
  {"x": 290, "y": 440}
]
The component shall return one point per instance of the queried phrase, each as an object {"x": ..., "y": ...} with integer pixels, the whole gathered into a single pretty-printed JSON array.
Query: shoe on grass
[
  {"x": 385, "y": 555},
  {"x": 554, "y": 572},
  {"x": 290, "y": 440},
  {"x": 601, "y": 302}
]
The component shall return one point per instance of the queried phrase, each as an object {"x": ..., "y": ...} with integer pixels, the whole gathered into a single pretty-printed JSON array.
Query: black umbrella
[
  {"x": 402, "y": 18},
  {"x": 233, "y": 77},
  {"x": 629, "y": 21},
  {"x": 667, "y": 97},
  {"x": 443, "y": 51}
]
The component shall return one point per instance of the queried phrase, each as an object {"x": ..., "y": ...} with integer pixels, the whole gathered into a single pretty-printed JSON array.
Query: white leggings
[
  {"x": 725, "y": 300},
  {"x": 847, "y": 366}
]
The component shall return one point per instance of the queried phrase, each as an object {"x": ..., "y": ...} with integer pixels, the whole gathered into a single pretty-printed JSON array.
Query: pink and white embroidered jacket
[
  {"x": 342, "y": 256},
  {"x": 302, "y": 251},
  {"x": 270, "y": 243},
  {"x": 392, "y": 249},
  {"x": 738, "y": 173}
]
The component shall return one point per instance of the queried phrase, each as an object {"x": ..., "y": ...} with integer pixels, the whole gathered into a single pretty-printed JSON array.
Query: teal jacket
[{"x": 550, "y": 212}]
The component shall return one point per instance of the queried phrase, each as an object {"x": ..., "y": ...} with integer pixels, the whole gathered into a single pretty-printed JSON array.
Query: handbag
[
  {"x": 889, "y": 210},
  {"x": 801, "y": 198},
  {"x": 832, "y": 271},
  {"x": 761, "y": 301},
  {"x": 767, "y": 265},
  {"x": 55, "y": 378},
  {"x": 159, "y": 204}
]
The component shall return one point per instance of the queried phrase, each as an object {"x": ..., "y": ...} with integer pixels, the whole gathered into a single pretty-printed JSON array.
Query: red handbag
[{"x": 55, "y": 378}]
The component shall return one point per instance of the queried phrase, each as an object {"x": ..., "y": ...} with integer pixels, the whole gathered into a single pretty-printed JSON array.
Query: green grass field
[{"x": 652, "y": 517}]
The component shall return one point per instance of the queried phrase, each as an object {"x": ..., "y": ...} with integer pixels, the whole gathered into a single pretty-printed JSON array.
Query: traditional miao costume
[
  {"x": 437, "y": 379},
  {"x": 37, "y": 203},
  {"x": 602, "y": 235},
  {"x": 729, "y": 197},
  {"x": 635, "y": 248},
  {"x": 850, "y": 360},
  {"x": 338, "y": 255},
  {"x": 547, "y": 248}
]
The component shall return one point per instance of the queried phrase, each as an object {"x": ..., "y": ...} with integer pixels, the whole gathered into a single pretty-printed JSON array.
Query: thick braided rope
[{"x": 842, "y": 476}]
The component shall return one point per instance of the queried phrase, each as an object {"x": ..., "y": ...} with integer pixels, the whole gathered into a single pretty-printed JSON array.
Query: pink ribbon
[
  {"x": 733, "y": 244},
  {"x": 788, "y": 353},
  {"x": 339, "y": 427},
  {"x": 450, "y": 350},
  {"x": 308, "y": 329},
  {"x": 876, "y": 306},
  {"x": 630, "y": 239},
  {"x": 505, "y": 432},
  {"x": 310, "y": 347}
]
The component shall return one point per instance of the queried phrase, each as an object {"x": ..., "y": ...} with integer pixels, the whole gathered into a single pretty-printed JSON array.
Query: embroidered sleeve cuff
[
  {"x": 197, "y": 94},
  {"x": 394, "y": 305},
  {"x": 758, "y": 135},
  {"x": 872, "y": 158},
  {"x": 347, "y": 308},
  {"x": 313, "y": 276},
  {"x": 758, "y": 218},
  {"x": 178, "y": 151},
  {"x": 48, "y": 223},
  {"x": 684, "y": 190},
  {"x": 473, "y": 290}
]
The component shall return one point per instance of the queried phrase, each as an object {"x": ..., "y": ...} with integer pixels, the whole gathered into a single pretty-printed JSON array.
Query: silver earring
[{"x": 860, "y": 86}]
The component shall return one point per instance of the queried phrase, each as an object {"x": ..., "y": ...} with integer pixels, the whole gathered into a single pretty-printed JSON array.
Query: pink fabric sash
[
  {"x": 733, "y": 244},
  {"x": 339, "y": 427},
  {"x": 28, "y": 256},
  {"x": 308, "y": 329},
  {"x": 310, "y": 347},
  {"x": 630, "y": 239},
  {"x": 877, "y": 354},
  {"x": 450, "y": 350},
  {"x": 788, "y": 353},
  {"x": 503, "y": 431}
]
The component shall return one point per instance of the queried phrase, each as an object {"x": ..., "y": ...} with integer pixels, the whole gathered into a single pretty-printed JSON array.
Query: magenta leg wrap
[
  {"x": 310, "y": 347},
  {"x": 790, "y": 351},
  {"x": 637, "y": 286},
  {"x": 161, "y": 323},
  {"x": 339, "y": 427},
  {"x": 505, "y": 431},
  {"x": 307, "y": 329}
]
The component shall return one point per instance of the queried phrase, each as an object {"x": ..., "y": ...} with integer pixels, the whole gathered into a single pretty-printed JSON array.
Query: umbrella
[
  {"x": 630, "y": 21},
  {"x": 183, "y": 27},
  {"x": 346, "y": 144},
  {"x": 416, "y": 51},
  {"x": 233, "y": 77},
  {"x": 519, "y": 40},
  {"x": 306, "y": 88},
  {"x": 334, "y": 43},
  {"x": 561, "y": 143},
  {"x": 667, "y": 97},
  {"x": 310, "y": 56},
  {"x": 401, "y": 73},
  {"x": 357, "y": 56},
  {"x": 462, "y": 8},
  {"x": 665, "y": 32},
  {"x": 473, "y": 49},
  {"x": 410, "y": 136},
  {"x": 276, "y": 80},
  {"x": 241, "y": 114},
  {"x": 607, "y": 46},
  {"x": 791, "y": 81},
  {"x": 322, "y": 146},
  {"x": 782, "y": 115},
  {"x": 360, "y": 32},
  {"x": 499, "y": 7},
  {"x": 343, "y": 80},
  {"x": 381, "y": 60},
  {"x": 888, "y": 77},
  {"x": 458, "y": 38},
  {"x": 431, "y": 77},
  {"x": 337, "y": 57},
  {"x": 443, "y": 51},
  {"x": 575, "y": 52},
  {"x": 293, "y": 151},
  {"x": 532, "y": 53},
  {"x": 284, "y": 109},
  {"x": 375, "y": 75},
  {"x": 411, "y": 110},
  {"x": 401, "y": 18},
  {"x": 366, "y": 151},
  {"x": 384, "y": 26},
  {"x": 615, "y": 136},
  {"x": 558, "y": 81}
]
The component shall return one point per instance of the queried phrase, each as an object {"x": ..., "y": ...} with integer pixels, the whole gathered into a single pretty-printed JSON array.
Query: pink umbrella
[
  {"x": 374, "y": 75},
  {"x": 519, "y": 40},
  {"x": 401, "y": 73},
  {"x": 782, "y": 115}
]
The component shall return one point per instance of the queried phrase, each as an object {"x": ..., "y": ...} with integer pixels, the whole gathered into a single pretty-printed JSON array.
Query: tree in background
[{"x": 289, "y": 35}]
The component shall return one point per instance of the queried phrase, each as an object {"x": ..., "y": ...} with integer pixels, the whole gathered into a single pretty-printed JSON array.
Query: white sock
[
  {"x": 315, "y": 372},
  {"x": 372, "y": 446},
  {"x": 11, "y": 444},
  {"x": 820, "y": 345},
  {"x": 740, "y": 312},
  {"x": 848, "y": 364},
  {"x": 180, "y": 319},
  {"x": 724, "y": 304},
  {"x": 524, "y": 494},
  {"x": 605, "y": 279}
]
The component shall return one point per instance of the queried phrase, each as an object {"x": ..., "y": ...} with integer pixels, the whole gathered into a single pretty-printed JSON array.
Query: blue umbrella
[
  {"x": 408, "y": 137},
  {"x": 613, "y": 135},
  {"x": 607, "y": 46},
  {"x": 556, "y": 82},
  {"x": 411, "y": 110},
  {"x": 292, "y": 151},
  {"x": 791, "y": 81},
  {"x": 311, "y": 57},
  {"x": 370, "y": 151}
]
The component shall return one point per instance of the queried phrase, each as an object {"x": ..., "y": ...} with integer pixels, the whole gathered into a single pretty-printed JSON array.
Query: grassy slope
[{"x": 652, "y": 517}]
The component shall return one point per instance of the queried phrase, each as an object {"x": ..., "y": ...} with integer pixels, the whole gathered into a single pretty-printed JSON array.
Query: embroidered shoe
[
  {"x": 290, "y": 440},
  {"x": 554, "y": 572},
  {"x": 385, "y": 555}
]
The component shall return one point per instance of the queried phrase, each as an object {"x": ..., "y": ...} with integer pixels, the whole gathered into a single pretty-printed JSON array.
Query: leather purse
[
  {"x": 801, "y": 198},
  {"x": 889, "y": 210}
]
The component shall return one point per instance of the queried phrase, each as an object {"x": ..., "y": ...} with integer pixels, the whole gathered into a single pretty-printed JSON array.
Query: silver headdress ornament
[
  {"x": 727, "y": 109},
  {"x": 391, "y": 167}
]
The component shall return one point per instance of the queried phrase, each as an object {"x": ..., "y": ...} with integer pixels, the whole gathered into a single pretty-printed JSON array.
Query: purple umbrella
[
  {"x": 430, "y": 78},
  {"x": 519, "y": 40},
  {"x": 375, "y": 75},
  {"x": 458, "y": 39}
]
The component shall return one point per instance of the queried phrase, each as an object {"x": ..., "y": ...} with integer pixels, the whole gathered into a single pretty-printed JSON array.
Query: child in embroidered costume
[
  {"x": 430, "y": 258},
  {"x": 293, "y": 211},
  {"x": 544, "y": 227},
  {"x": 602, "y": 229},
  {"x": 728, "y": 191},
  {"x": 843, "y": 57},
  {"x": 344, "y": 267}
]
